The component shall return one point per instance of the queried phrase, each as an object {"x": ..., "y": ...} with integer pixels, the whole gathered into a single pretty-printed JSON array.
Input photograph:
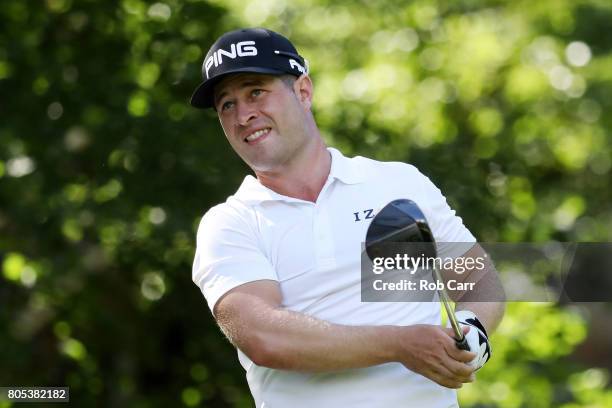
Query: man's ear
[{"x": 303, "y": 89}]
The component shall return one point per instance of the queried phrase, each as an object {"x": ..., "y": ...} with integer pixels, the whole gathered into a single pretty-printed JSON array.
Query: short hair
[{"x": 288, "y": 80}]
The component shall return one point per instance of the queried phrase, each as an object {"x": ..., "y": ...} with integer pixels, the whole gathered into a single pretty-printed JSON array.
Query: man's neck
[{"x": 304, "y": 178}]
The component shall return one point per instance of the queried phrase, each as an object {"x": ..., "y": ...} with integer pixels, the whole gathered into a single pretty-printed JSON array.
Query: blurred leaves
[{"x": 105, "y": 171}]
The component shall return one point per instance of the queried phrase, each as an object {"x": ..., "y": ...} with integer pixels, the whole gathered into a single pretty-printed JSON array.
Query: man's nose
[{"x": 246, "y": 112}]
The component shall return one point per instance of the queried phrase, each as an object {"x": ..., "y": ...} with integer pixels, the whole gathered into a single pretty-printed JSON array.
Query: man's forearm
[
  {"x": 252, "y": 318},
  {"x": 294, "y": 341},
  {"x": 489, "y": 313},
  {"x": 487, "y": 298}
]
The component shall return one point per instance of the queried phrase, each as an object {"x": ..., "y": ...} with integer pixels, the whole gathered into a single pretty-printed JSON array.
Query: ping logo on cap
[
  {"x": 294, "y": 64},
  {"x": 240, "y": 49}
]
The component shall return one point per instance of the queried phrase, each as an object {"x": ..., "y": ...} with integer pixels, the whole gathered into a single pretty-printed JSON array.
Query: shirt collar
[{"x": 343, "y": 169}]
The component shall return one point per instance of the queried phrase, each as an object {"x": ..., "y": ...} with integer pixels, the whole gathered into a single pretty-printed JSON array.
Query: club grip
[{"x": 463, "y": 344}]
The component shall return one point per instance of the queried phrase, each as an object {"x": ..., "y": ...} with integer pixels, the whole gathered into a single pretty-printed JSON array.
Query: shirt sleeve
[
  {"x": 228, "y": 254},
  {"x": 452, "y": 237}
]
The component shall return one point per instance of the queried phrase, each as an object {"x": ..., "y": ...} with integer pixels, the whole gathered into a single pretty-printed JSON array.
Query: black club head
[{"x": 400, "y": 221}]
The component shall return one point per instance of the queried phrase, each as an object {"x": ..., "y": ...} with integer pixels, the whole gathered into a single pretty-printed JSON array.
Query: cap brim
[{"x": 204, "y": 95}]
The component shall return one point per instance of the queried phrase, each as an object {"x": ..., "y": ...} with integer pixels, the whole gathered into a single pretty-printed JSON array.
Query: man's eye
[
  {"x": 256, "y": 92},
  {"x": 226, "y": 105}
]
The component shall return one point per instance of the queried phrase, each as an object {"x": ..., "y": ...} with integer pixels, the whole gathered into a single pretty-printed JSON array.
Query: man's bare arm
[
  {"x": 252, "y": 318},
  {"x": 487, "y": 298}
]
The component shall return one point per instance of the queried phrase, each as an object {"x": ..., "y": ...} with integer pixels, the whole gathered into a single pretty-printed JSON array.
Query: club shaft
[{"x": 449, "y": 310}]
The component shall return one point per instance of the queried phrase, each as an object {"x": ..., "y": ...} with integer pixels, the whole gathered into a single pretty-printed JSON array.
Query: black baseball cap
[{"x": 255, "y": 50}]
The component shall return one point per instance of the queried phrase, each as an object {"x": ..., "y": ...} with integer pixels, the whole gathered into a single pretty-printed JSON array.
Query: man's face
[{"x": 263, "y": 119}]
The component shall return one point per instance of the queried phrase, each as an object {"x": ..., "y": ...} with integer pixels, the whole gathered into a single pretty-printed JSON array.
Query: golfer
[{"x": 279, "y": 261}]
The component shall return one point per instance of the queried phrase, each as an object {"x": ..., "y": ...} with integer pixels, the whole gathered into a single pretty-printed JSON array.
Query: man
[{"x": 279, "y": 261}]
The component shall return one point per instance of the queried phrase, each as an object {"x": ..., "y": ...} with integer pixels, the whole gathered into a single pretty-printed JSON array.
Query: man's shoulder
[
  {"x": 386, "y": 168},
  {"x": 236, "y": 204},
  {"x": 230, "y": 212}
]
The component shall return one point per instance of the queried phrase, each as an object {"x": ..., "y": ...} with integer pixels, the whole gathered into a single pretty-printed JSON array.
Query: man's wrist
[
  {"x": 392, "y": 348},
  {"x": 468, "y": 317}
]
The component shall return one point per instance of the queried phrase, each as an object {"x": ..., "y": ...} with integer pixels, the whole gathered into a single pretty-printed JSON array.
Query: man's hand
[
  {"x": 431, "y": 351},
  {"x": 477, "y": 338}
]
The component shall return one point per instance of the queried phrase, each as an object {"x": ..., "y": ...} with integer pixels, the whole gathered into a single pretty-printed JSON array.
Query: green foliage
[{"x": 105, "y": 171}]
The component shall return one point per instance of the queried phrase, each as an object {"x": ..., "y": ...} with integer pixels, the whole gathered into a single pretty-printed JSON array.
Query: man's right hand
[{"x": 431, "y": 351}]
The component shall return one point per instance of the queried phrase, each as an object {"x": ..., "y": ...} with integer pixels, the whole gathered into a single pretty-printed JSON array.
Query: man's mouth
[{"x": 253, "y": 137}]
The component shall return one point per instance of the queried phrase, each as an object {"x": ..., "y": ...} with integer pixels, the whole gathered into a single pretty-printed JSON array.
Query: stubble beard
[{"x": 279, "y": 158}]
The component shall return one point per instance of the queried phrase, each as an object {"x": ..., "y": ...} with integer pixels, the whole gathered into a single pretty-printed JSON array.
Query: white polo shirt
[{"x": 314, "y": 251}]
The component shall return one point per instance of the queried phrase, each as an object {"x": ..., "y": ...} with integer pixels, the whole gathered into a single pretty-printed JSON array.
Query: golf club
[{"x": 402, "y": 221}]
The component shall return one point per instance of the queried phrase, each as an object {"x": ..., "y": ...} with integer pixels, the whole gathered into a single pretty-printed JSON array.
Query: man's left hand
[{"x": 477, "y": 338}]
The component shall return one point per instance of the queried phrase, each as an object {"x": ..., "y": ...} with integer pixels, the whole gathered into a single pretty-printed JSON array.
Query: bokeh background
[{"x": 105, "y": 171}]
